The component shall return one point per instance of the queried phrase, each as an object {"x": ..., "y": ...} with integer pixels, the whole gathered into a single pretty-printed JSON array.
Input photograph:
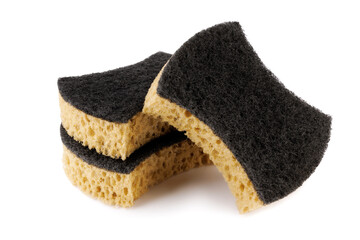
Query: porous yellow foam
[
  {"x": 117, "y": 140},
  {"x": 197, "y": 131},
  {"x": 123, "y": 189}
]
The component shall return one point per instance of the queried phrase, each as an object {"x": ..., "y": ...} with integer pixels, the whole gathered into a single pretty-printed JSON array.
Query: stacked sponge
[
  {"x": 264, "y": 139},
  {"x": 112, "y": 150}
]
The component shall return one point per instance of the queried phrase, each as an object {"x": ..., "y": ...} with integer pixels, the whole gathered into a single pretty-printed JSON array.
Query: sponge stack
[
  {"x": 216, "y": 91},
  {"x": 112, "y": 150},
  {"x": 264, "y": 140}
]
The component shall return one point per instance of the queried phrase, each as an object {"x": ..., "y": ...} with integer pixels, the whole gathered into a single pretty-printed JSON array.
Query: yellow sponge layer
[
  {"x": 116, "y": 140},
  {"x": 197, "y": 131},
  {"x": 123, "y": 189}
]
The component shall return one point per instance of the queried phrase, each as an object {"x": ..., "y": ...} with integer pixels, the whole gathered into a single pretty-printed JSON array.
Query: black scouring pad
[
  {"x": 91, "y": 157},
  {"x": 217, "y": 77},
  {"x": 115, "y": 95}
]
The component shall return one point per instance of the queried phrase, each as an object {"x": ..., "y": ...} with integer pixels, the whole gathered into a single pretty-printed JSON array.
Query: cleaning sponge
[
  {"x": 103, "y": 110},
  {"x": 265, "y": 140},
  {"x": 122, "y": 182}
]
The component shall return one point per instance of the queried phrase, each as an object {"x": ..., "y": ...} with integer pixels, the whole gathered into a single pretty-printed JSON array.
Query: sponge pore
[{"x": 218, "y": 82}]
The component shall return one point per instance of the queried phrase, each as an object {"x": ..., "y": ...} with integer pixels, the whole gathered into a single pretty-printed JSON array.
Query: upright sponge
[
  {"x": 122, "y": 182},
  {"x": 103, "y": 110},
  {"x": 265, "y": 140}
]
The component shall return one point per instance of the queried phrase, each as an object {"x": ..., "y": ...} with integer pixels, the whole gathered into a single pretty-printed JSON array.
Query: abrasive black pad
[
  {"x": 277, "y": 137},
  {"x": 115, "y": 95},
  {"x": 91, "y": 157}
]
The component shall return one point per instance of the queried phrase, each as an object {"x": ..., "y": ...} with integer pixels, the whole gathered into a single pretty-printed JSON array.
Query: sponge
[
  {"x": 103, "y": 110},
  {"x": 264, "y": 140},
  {"x": 122, "y": 182}
]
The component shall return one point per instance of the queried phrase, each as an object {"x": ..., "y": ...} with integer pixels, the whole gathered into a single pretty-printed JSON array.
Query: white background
[{"x": 312, "y": 46}]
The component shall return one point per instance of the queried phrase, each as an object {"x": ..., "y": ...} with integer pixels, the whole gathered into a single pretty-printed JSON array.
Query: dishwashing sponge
[
  {"x": 122, "y": 182},
  {"x": 103, "y": 110},
  {"x": 264, "y": 140}
]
